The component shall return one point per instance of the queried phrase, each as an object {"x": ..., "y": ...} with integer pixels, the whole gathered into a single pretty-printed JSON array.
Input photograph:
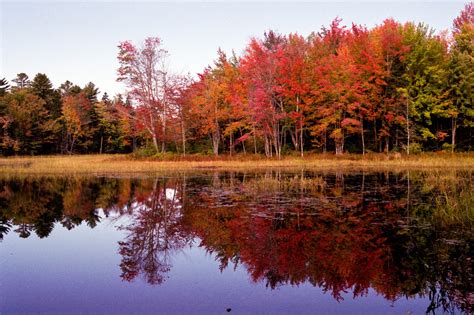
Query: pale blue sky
[{"x": 78, "y": 40}]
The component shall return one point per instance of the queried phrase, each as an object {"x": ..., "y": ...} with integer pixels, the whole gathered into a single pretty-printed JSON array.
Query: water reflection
[
  {"x": 154, "y": 234},
  {"x": 403, "y": 235}
]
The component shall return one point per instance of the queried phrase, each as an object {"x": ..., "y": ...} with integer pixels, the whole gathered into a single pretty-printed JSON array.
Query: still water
[{"x": 271, "y": 242}]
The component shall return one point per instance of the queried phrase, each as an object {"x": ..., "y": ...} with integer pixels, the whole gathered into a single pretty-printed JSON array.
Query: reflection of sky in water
[
  {"x": 170, "y": 193},
  {"x": 348, "y": 238},
  {"x": 78, "y": 271}
]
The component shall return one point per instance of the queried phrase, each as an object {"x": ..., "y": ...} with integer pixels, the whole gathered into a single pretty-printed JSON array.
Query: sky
[{"x": 77, "y": 41}]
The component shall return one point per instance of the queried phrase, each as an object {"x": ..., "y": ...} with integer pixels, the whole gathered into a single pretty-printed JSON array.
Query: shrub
[
  {"x": 144, "y": 152},
  {"x": 415, "y": 148},
  {"x": 448, "y": 147}
]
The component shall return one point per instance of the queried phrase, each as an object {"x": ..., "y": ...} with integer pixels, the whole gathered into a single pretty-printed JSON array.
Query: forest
[{"x": 396, "y": 87}]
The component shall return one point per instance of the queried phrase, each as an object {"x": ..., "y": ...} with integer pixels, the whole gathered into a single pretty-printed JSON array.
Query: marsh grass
[
  {"x": 452, "y": 196},
  {"x": 454, "y": 200},
  {"x": 294, "y": 183},
  {"x": 127, "y": 164},
  {"x": 455, "y": 208}
]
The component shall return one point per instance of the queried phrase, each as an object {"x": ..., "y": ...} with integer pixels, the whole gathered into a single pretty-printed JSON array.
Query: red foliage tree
[{"x": 144, "y": 70}]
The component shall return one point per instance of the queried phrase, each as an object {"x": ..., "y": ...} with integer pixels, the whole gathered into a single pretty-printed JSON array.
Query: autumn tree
[
  {"x": 77, "y": 122},
  {"x": 127, "y": 124},
  {"x": 459, "y": 108},
  {"x": 294, "y": 86},
  {"x": 27, "y": 127},
  {"x": 259, "y": 69},
  {"x": 145, "y": 72},
  {"x": 181, "y": 102},
  {"x": 106, "y": 125},
  {"x": 332, "y": 88},
  {"x": 424, "y": 80},
  {"x": 390, "y": 115},
  {"x": 212, "y": 100}
]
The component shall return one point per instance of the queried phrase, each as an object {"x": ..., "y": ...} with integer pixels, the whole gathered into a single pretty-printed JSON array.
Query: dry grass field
[{"x": 126, "y": 164}]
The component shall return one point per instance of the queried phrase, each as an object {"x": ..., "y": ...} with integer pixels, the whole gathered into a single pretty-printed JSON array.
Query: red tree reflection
[{"x": 154, "y": 234}]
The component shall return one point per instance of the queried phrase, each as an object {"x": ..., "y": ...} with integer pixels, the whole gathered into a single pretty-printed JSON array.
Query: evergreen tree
[
  {"x": 42, "y": 87},
  {"x": 91, "y": 92},
  {"x": 21, "y": 80},
  {"x": 4, "y": 86},
  {"x": 105, "y": 98},
  {"x": 69, "y": 88}
]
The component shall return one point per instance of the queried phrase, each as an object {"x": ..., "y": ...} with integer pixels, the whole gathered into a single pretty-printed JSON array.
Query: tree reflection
[
  {"x": 5, "y": 227},
  {"x": 282, "y": 244},
  {"x": 154, "y": 234},
  {"x": 343, "y": 237},
  {"x": 401, "y": 234},
  {"x": 36, "y": 204},
  {"x": 30, "y": 205}
]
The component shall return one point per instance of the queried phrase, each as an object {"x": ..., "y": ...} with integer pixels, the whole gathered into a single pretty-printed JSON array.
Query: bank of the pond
[{"x": 126, "y": 164}]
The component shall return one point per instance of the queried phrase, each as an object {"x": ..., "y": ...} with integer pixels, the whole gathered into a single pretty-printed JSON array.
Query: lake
[{"x": 257, "y": 242}]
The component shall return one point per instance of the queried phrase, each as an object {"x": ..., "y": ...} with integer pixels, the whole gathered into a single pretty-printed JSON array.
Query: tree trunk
[
  {"x": 183, "y": 136},
  {"x": 276, "y": 140},
  {"x": 375, "y": 135},
  {"x": 231, "y": 143},
  {"x": 101, "y": 142},
  {"x": 325, "y": 140},
  {"x": 215, "y": 143},
  {"x": 163, "y": 133},
  {"x": 163, "y": 141},
  {"x": 408, "y": 129},
  {"x": 362, "y": 136},
  {"x": 339, "y": 141},
  {"x": 155, "y": 143},
  {"x": 301, "y": 138},
  {"x": 396, "y": 138},
  {"x": 243, "y": 142},
  {"x": 254, "y": 141},
  {"x": 72, "y": 145},
  {"x": 267, "y": 151},
  {"x": 165, "y": 104},
  {"x": 295, "y": 138},
  {"x": 339, "y": 146},
  {"x": 176, "y": 145},
  {"x": 453, "y": 136}
]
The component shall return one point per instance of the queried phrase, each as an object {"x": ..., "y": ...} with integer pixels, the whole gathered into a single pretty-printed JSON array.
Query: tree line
[
  {"x": 394, "y": 87},
  {"x": 39, "y": 119}
]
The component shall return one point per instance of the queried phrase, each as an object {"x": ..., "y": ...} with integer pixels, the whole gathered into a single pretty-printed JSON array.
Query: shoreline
[{"x": 106, "y": 164}]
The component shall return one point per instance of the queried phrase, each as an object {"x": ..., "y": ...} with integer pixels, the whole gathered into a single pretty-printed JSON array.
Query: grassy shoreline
[{"x": 126, "y": 164}]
